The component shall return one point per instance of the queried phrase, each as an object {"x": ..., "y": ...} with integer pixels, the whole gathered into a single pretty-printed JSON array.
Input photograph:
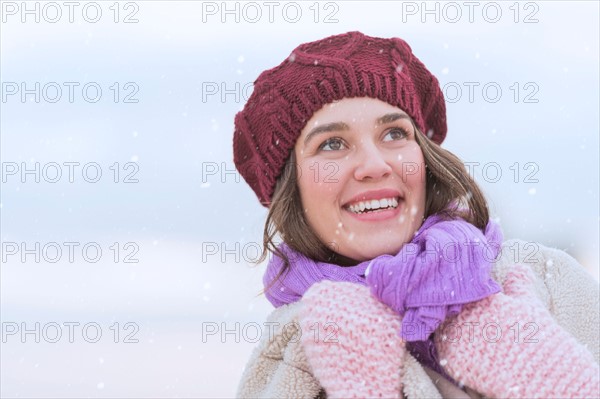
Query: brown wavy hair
[{"x": 449, "y": 191}]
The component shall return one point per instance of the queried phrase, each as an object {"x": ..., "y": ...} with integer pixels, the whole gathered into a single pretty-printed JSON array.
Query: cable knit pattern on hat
[
  {"x": 350, "y": 341},
  {"x": 509, "y": 346},
  {"x": 317, "y": 73}
]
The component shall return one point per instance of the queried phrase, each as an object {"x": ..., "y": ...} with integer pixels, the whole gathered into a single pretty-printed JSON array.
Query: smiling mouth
[{"x": 371, "y": 206}]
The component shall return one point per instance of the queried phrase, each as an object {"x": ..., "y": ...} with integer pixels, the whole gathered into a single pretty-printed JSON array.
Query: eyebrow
[
  {"x": 339, "y": 126},
  {"x": 329, "y": 127},
  {"x": 389, "y": 118}
]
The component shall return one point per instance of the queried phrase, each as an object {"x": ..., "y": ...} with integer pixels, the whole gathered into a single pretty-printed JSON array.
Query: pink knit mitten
[
  {"x": 351, "y": 341},
  {"x": 509, "y": 346}
]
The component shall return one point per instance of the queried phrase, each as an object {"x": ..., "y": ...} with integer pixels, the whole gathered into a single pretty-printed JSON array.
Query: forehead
[{"x": 352, "y": 110}]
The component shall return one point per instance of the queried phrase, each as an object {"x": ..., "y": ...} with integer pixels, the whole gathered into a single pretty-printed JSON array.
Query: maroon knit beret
[{"x": 320, "y": 72}]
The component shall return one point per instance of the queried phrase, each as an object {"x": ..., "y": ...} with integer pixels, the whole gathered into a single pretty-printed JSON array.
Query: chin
[{"x": 377, "y": 249}]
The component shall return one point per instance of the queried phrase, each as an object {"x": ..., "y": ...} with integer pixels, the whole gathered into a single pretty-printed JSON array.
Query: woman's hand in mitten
[
  {"x": 351, "y": 341},
  {"x": 509, "y": 345}
]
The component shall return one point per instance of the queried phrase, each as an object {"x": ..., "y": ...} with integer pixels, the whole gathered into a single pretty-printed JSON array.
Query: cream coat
[{"x": 278, "y": 367}]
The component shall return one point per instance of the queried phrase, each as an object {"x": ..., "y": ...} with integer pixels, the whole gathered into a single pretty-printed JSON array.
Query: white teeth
[{"x": 374, "y": 205}]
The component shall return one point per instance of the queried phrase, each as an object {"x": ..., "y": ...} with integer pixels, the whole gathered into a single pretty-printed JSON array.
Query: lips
[
  {"x": 373, "y": 205},
  {"x": 374, "y": 201}
]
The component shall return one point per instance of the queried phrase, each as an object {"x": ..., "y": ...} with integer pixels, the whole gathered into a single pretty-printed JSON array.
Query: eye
[
  {"x": 332, "y": 144},
  {"x": 395, "y": 133}
]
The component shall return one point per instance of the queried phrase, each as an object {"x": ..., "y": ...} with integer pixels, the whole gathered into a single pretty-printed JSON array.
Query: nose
[{"x": 371, "y": 163}]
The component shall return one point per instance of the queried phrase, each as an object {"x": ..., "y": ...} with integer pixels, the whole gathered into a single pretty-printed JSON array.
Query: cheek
[
  {"x": 316, "y": 193},
  {"x": 320, "y": 180},
  {"x": 320, "y": 188},
  {"x": 412, "y": 171},
  {"x": 319, "y": 173},
  {"x": 414, "y": 174},
  {"x": 416, "y": 179}
]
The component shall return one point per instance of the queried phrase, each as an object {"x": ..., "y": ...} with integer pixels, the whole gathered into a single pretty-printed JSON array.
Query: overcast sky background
[{"x": 188, "y": 206}]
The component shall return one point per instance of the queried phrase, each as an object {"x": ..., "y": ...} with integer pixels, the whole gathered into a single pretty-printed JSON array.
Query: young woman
[{"x": 390, "y": 279}]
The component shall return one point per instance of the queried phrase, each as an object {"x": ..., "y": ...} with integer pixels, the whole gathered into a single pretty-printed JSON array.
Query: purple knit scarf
[{"x": 446, "y": 265}]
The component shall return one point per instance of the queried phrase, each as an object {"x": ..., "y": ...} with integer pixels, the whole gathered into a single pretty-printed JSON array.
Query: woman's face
[{"x": 362, "y": 177}]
